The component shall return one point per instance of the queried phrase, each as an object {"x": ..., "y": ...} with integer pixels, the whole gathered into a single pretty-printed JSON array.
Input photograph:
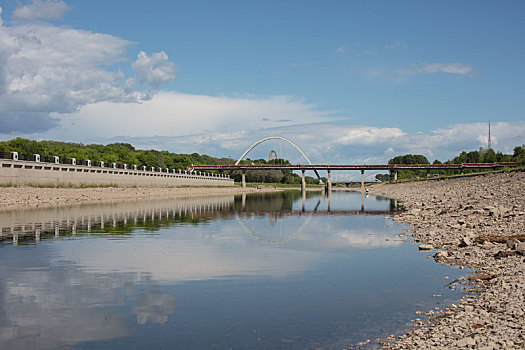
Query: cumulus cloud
[
  {"x": 47, "y": 70},
  {"x": 368, "y": 135},
  {"x": 429, "y": 68},
  {"x": 154, "y": 70},
  {"x": 349, "y": 144},
  {"x": 41, "y": 9},
  {"x": 169, "y": 114}
]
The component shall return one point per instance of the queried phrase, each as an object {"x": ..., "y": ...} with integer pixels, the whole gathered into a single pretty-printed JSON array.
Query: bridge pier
[
  {"x": 328, "y": 182},
  {"x": 395, "y": 176},
  {"x": 243, "y": 178},
  {"x": 303, "y": 181},
  {"x": 362, "y": 180},
  {"x": 329, "y": 197}
]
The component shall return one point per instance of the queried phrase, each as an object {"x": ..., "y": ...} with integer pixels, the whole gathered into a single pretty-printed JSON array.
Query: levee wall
[{"x": 19, "y": 172}]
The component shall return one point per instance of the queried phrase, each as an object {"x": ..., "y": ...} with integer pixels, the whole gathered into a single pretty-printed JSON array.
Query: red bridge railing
[{"x": 354, "y": 166}]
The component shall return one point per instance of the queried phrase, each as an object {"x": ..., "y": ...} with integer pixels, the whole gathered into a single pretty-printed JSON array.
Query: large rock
[
  {"x": 512, "y": 243},
  {"x": 465, "y": 242},
  {"x": 426, "y": 247},
  {"x": 440, "y": 256},
  {"x": 467, "y": 341},
  {"x": 520, "y": 248}
]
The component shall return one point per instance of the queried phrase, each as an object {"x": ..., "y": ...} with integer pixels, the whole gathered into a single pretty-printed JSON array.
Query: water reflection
[
  {"x": 114, "y": 218},
  {"x": 263, "y": 271},
  {"x": 123, "y": 217},
  {"x": 154, "y": 307},
  {"x": 46, "y": 308}
]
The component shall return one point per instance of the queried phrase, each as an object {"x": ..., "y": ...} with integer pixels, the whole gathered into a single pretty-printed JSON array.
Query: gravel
[
  {"x": 30, "y": 197},
  {"x": 475, "y": 222}
]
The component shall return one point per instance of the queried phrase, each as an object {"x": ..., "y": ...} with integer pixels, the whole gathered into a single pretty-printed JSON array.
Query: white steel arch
[{"x": 273, "y": 138}]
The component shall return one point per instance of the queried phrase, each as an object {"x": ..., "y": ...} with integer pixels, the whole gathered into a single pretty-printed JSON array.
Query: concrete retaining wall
[{"x": 19, "y": 172}]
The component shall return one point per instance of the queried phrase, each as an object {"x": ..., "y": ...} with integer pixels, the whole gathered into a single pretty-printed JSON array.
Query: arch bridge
[{"x": 393, "y": 168}]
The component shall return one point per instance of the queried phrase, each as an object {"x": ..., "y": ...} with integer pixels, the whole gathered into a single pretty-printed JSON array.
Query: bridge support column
[
  {"x": 363, "y": 180},
  {"x": 395, "y": 176},
  {"x": 303, "y": 181},
  {"x": 328, "y": 182},
  {"x": 329, "y": 197},
  {"x": 243, "y": 178}
]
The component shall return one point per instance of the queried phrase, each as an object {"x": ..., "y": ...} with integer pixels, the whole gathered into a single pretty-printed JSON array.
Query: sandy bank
[
  {"x": 470, "y": 222},
  {"x": 30, "y": 197}
]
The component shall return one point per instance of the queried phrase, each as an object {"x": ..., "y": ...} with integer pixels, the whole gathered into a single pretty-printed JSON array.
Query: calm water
[{"x": 273, "y": 271}]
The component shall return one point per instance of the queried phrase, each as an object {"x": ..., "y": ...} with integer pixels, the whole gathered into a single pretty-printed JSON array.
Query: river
[{"x": 260, "y": 271}]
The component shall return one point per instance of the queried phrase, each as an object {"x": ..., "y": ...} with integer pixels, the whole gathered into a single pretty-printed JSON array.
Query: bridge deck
[{"x": 385, "y": 167}]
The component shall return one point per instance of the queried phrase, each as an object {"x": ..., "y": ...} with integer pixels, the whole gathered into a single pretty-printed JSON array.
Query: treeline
[
  {"x": 125, "y": 153},
  {"x": 480, "y": 156},
  {"x": 121, "y": 153}
]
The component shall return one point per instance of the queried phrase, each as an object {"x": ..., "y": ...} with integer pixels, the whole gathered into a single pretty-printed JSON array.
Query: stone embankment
[
  {"x": 31, "y": 197},
  {"x": 477, "y": 223}
]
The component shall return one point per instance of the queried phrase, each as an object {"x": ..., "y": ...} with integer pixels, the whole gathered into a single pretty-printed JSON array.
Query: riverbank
[
  {"x": 12, "y": 198},
  {"x": 477, "y": 223}
]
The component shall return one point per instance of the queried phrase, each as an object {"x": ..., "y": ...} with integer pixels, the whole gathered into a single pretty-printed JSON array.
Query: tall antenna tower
[{"x": 489, "y": 134}]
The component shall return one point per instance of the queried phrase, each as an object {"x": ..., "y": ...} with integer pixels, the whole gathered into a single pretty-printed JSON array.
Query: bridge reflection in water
[
  {"x": 122, "y": 218},
  {"x": 194, "y": 272}
]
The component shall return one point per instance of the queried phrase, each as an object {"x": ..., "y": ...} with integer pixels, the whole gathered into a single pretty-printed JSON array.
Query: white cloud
[
  {"x": 396, "y": 45},
  {"x": 352, "y": 144},
  {"x": 359, "y": 49},
  {"x": 47, "y": 70},
  {"x": 41, "y": 9},
  {"x": 429, "y": 68},
  {"x": 389, "y": 151},
  {"x": 170, "y": 114},
  {"x": 370, "y": 135},
  {"x": 154, "y": 70}
]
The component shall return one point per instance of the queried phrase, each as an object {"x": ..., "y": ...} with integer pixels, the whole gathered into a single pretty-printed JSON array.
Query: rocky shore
[
  {"x": 31, "y": 197},
  {"x": 475, "y": 222}
]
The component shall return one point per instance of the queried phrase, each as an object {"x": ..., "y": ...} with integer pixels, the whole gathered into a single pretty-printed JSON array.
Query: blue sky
[{"x": 352, "y": 81}]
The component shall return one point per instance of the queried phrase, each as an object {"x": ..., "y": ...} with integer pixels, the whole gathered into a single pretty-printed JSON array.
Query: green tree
[
  {"x": 519, "y": 155},
  {"x": 488, "y": 156}
]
